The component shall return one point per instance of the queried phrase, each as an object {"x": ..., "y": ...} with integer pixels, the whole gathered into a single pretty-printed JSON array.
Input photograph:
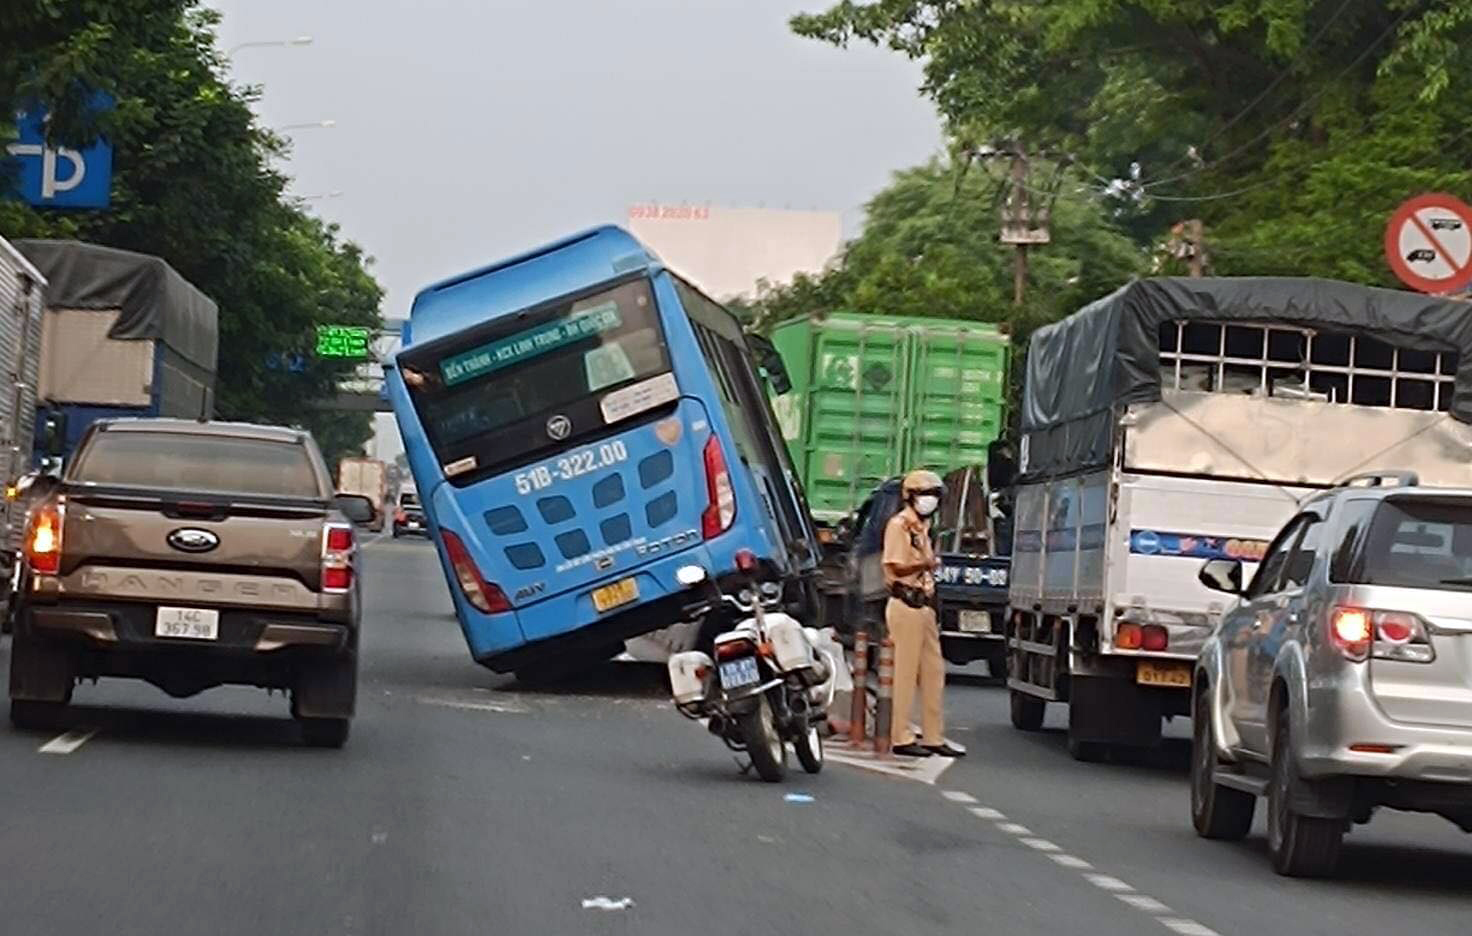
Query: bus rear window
[{"x": 496, "y": 380}]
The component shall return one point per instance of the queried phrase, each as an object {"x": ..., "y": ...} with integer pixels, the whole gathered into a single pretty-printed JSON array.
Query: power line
[{"x": 1294, "y": 114}]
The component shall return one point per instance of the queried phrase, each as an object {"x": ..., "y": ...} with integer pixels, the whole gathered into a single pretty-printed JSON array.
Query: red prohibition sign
[{"x": 1428, "y": 243}]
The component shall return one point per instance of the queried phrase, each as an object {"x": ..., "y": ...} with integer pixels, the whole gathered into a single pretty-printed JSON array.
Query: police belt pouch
[{"x": 910, "y": 595}]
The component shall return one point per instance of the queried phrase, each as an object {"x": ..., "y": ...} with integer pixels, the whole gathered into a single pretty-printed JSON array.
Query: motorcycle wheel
[
  {"x": 763, "y": 743},
  {"x": 809, "y": 747}
]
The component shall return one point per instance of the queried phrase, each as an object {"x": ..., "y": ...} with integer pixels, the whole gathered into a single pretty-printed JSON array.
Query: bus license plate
[
  {"x": 619, "y": 593},
  {"x": 974, "y": 622},
  {"x": 738, "y": 673},
  {"x": 1173, "y": 675}
]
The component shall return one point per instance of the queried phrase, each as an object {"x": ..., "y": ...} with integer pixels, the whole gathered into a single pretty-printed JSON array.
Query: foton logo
[{"x": 669, "y": 543}]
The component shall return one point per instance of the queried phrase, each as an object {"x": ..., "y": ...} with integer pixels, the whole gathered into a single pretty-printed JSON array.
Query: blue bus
[{"x": 581, "y": 422}]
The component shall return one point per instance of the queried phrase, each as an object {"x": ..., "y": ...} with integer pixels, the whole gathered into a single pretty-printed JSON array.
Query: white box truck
[
  {"x": 1180, "y": 420},
  {"x": 22, "y": 302},
  {"x": 368, "y": 477}
]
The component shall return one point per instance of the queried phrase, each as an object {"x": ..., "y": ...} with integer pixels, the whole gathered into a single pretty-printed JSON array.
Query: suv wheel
[
  {"x": 1217, "y": 812},
  {"x": 1300, "y": 846},
  {"x": 326, "y": 732}
]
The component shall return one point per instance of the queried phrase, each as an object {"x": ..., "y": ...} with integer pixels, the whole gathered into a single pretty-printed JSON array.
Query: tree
[
  {"x": 1292, "y": 127},
  {"x": 193, "y": 183},
  {"x": 929, "y": 248}
]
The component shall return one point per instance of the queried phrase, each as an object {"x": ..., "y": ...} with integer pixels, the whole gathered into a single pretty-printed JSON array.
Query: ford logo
[
  {"x": 559, "y": 427},
  {"x": 193, "y": 540}
]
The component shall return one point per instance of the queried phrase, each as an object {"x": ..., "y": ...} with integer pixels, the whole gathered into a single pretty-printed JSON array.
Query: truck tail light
[
  {"x": 1129, "y": 636},
  {"x": 1154, "y": 638},
  {"x": 1385, "y": 635},
  {"x": 720, "y": 510},
  {"x": 43, "y": 538},
  {"x": 484, "y": 596},
  {"x": 338, "y": 544},
  {"x": 732, "y": 649}
]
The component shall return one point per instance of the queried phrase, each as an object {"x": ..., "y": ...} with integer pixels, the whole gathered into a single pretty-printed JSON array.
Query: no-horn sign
[{"x": 1428, "y": 243}]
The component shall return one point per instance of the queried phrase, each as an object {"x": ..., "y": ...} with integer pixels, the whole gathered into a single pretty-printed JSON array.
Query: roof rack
[{"x": 1379, "y": 479}]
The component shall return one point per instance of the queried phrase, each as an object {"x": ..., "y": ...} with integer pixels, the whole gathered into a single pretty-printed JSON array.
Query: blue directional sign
[{"x": 60, "y": 177}]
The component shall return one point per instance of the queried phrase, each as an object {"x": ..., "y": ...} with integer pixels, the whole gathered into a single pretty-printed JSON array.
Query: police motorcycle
[{"x": 764, "y": 684}]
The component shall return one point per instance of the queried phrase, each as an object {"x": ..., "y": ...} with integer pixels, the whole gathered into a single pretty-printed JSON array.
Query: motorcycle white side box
[
  {"x": 687, "y": 682},
  {"x": 794, "y": 652}
]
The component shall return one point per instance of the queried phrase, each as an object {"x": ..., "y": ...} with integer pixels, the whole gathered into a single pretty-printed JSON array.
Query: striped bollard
[
  {"x": 859, "y": 720},
  {"x": 884, "y": 717}
]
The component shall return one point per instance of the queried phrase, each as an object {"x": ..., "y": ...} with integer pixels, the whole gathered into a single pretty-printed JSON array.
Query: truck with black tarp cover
[
  {"x": 123, "y": 334},
  {"x": 1179, "y": 420}
]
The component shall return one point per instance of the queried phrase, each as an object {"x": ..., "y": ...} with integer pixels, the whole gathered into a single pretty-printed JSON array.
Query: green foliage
[
  {"x": 1291, "y": 127},
  {"x": 194, "y": 183}
]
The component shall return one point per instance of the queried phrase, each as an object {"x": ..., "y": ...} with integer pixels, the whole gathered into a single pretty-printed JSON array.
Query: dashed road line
[
  {"x": 67, "y": 743},
  {"x": 1121, "y": 890}
]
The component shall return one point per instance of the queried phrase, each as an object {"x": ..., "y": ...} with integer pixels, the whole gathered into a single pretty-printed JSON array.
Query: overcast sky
[{"x": 470, "y": 129}]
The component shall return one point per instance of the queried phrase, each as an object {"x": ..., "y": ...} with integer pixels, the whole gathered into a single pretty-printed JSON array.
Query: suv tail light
[
  {"x": 720, "y": 511},
  {"x": 482, "y": 595},
  {"x": 43, "y": 538},
  {"x": 337, "y": 557},
  {"x": 1386, "y": 635}
]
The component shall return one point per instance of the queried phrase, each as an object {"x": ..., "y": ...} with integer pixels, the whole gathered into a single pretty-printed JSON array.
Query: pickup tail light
[
  {"x": 1360, "y": 633},
  {"x": 338, "y": 545},
  {"x": 720, "y": 510},
  {"x": 43, "y": 538},
  {"x": 484, "y": 596}
]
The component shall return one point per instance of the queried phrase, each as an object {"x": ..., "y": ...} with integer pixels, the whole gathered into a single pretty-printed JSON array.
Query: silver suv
[{"x": 1341, "y": 680}]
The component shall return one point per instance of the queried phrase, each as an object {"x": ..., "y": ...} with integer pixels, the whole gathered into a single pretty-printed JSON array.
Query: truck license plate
[
  {"x": 1174, "y": 675},
  {"x": 619, "y": 593},
  {"x": 187, "y": 623},
  {"x": 974, "y": 622},
  {"x": 738, "y": 673}
]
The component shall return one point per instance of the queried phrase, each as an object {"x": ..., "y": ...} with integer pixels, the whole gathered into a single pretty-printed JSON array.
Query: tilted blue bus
[{"x": 581, "y": 422}]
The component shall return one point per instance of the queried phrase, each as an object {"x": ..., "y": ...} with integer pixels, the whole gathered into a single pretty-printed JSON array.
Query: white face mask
[{"x": 925, "y": 504}]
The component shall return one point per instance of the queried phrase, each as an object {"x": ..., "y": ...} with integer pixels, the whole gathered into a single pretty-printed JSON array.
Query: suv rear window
[
  {"x": 408, "y": 500},
  {"x": 1418, "y": 543},
  {"x": 206, "y": 463}
]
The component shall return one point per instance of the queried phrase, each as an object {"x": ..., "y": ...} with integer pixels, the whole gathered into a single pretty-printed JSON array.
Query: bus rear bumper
[{"x": 568, "y": 626}]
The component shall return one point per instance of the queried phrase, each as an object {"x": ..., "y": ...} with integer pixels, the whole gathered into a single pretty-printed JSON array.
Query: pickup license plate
[
  {"x": 974, "y": 622},
  {"x": 738, "y": 673},
  {"x": 619, "y": 593},
  {"x": 187, "y": 623},
  {"x": 1174, "y": 675}
]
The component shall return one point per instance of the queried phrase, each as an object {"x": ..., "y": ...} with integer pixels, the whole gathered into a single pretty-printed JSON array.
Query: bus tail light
[
  {"x": 482, "y": 595},
  {"x": 338, "y": 543},
  {"x": 720, "y": 511},
  {"x": 43, "y": 539}
]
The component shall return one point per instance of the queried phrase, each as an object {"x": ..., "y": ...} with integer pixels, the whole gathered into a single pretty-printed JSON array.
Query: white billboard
[{"x": 725, "y": 251}]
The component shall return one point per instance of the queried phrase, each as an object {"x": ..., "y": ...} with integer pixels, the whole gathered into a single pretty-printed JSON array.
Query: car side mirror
[
  {"x": 356, "y": 508},
  {"x": 1223, "y": 575}
]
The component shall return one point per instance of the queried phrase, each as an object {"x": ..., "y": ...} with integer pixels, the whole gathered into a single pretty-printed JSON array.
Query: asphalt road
[{"x": 465, "y": 803}]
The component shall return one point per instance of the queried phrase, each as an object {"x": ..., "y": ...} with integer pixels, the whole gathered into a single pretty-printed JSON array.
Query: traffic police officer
[{"x": 909, "y": 572}]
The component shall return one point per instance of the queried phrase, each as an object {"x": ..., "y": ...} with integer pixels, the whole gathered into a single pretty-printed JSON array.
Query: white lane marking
[
  {"x": 1105, "y": 882},
  {"x": 1042, "y": 845},
  {"x": 1187, "y": 927},
  {"x": 69, "y": 742},
  {"x": 1071, "y": 861},
  {"x": 926, "y": 770},
  {"x": 986, "y": 812},
  {"x": 608, "y": 903},
  {"x": 504, "y": 708},
  {"x": 1143, "y": 902},
  {"x": 957, "y": 796},
  {"x": 1013, "y": 828}
]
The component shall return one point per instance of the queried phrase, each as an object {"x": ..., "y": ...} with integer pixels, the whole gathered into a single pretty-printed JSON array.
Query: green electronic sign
[{"x": 343, "y": 341}]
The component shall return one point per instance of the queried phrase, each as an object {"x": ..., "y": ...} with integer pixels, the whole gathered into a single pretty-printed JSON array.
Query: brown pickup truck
[{"x": 191, "y": 555}]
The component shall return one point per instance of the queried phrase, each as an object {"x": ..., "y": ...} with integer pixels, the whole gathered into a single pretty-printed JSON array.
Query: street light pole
[{"x": 270, "y": 43}]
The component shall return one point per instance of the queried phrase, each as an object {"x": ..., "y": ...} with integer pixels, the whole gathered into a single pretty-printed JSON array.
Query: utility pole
[
  {"x": 1021, "y": 226},
  {"x": 1188, "y": 242}
]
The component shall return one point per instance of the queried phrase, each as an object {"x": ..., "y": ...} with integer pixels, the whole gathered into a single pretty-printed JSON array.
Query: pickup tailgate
[{"x": 167, "y": 546}]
